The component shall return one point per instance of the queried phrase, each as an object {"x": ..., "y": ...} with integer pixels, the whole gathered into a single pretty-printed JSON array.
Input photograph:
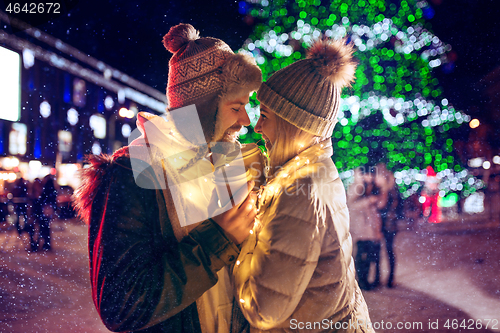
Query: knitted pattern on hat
[
  {"x": 307, "y": 92},
  {"x": 205, "y": 66},
  {"x": 194, "y": 68}
]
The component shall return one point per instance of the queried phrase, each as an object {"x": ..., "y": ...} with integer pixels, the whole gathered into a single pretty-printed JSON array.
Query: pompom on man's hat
[
  {"x": 307, "y": 92},
  {"x": 204, "y": 66}
]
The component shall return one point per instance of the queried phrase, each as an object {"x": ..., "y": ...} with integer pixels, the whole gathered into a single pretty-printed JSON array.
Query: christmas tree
[{"x": 395, "y": 112}]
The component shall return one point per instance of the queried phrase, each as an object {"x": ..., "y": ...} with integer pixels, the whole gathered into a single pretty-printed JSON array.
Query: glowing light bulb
[
  {"x": 45, "y": 109},
  {"x": 123, "y": 112},
  {"x": 126, "y": 130},
  {"x": 72, "y": 117},
  {"x": 474, "y": 123}
]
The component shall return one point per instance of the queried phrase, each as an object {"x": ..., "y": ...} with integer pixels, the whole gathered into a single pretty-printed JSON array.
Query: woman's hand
[{"x": 239, "y": 220}]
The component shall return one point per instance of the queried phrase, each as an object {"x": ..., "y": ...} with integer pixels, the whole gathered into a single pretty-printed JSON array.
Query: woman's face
[{"x": 267, "y": 126}]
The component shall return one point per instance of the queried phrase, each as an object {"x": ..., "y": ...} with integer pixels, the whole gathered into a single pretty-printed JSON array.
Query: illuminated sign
[
  {"x": 65, "y": 141},
  {"x": 17, "y": 139},
  {"x": 10, "y": 85},
  {"x": 79, "y": 92},
  {"x": 98, "y": 124}
]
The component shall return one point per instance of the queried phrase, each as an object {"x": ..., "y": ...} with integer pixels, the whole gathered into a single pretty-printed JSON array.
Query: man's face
[
  {"x": 231, "y": 117},
  {"x": 266, "y": 126}
]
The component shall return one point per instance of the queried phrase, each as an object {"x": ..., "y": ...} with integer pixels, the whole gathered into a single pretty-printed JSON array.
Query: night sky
[{"x": 127, "y": 35}]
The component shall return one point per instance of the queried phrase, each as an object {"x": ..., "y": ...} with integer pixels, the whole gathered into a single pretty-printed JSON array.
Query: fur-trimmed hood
[{"x": 91, "y": 179}]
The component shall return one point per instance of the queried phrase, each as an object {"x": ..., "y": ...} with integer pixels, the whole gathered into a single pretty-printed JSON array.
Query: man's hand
[{"x": 239, "y": 220}]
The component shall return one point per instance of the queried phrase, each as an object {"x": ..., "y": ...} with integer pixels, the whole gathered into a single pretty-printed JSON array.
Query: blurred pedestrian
[
  {"x": 22, "y": 204},
  {"x": 47, "y": 204},
  {"x": 390, "y": 208},
  {"x": 430, "y": 193},
  {"x": 365, "y": 226},
  {"x": 20, "y": 200},
  {"x": 36, "y": 189}
]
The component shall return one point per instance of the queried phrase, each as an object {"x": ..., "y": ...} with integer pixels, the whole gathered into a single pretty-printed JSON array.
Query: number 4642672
[
  {"x": 471, "y": 324},
  {"x": 34, "y": 8}
]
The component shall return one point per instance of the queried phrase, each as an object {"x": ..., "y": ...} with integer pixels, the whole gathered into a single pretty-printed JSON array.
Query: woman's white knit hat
[{"x": 307, "y": 92}]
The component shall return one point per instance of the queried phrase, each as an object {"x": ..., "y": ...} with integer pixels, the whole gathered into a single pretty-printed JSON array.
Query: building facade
[{"x": 58, "y": 104}]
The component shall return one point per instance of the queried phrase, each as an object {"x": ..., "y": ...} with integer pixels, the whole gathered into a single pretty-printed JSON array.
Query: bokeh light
[{"x": 395, "y": 112}]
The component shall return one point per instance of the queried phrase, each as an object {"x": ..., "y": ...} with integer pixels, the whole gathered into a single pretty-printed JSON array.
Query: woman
[
  {"x": 295, "y": 271},
  {"x": 363, "y": 201}
]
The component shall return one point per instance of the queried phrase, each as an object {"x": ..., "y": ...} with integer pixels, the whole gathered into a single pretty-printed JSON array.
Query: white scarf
[{"x": 163, "y": 148}]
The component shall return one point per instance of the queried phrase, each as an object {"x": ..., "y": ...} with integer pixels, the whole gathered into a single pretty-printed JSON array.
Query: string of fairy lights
[{"x": 395, "y": 111}]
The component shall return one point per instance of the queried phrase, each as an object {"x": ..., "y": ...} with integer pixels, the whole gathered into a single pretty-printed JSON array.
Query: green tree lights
[{"x": 395, "y": 112}]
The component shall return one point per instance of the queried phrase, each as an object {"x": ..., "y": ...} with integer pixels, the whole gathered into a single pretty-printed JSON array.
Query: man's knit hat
[
  {"x": 201, "y": 67},
  {"x": 307, "y": 92}
]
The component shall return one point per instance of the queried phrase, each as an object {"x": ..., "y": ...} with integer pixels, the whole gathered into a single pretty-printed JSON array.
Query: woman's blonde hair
[{"x": 289, "y": 142}]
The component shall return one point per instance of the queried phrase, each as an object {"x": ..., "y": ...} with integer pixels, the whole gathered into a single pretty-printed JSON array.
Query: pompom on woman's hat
[
  {"x": 203, "y": 66},
  {"x": 307, "y": 92}
]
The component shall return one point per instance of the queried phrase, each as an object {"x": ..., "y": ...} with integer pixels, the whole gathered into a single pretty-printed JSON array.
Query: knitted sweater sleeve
[
  {"x": 141, "y": 275},
  {"x": 276, "y": 266}
]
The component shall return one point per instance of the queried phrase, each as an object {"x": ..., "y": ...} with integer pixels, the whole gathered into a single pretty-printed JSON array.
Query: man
[{"x": 149, "y": 259}]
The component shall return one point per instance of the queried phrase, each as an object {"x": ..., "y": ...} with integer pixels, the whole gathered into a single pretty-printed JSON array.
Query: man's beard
[
  {"x": 231, "y": 134},
  {"x": 225, "y": 134},
  {"x": 225, "y": 140}
]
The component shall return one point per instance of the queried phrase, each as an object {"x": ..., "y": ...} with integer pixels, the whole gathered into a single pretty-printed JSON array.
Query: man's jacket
[{"x": 142, "y": 278}]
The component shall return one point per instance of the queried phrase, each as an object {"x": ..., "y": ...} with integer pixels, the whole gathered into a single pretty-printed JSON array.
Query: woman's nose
[{"x": 258, "y": 127}]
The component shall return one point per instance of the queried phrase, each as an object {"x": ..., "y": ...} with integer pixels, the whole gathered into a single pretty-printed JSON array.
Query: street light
[
  {"x": 474, "y": 123},
  {"x": 126, "y": 113}
]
